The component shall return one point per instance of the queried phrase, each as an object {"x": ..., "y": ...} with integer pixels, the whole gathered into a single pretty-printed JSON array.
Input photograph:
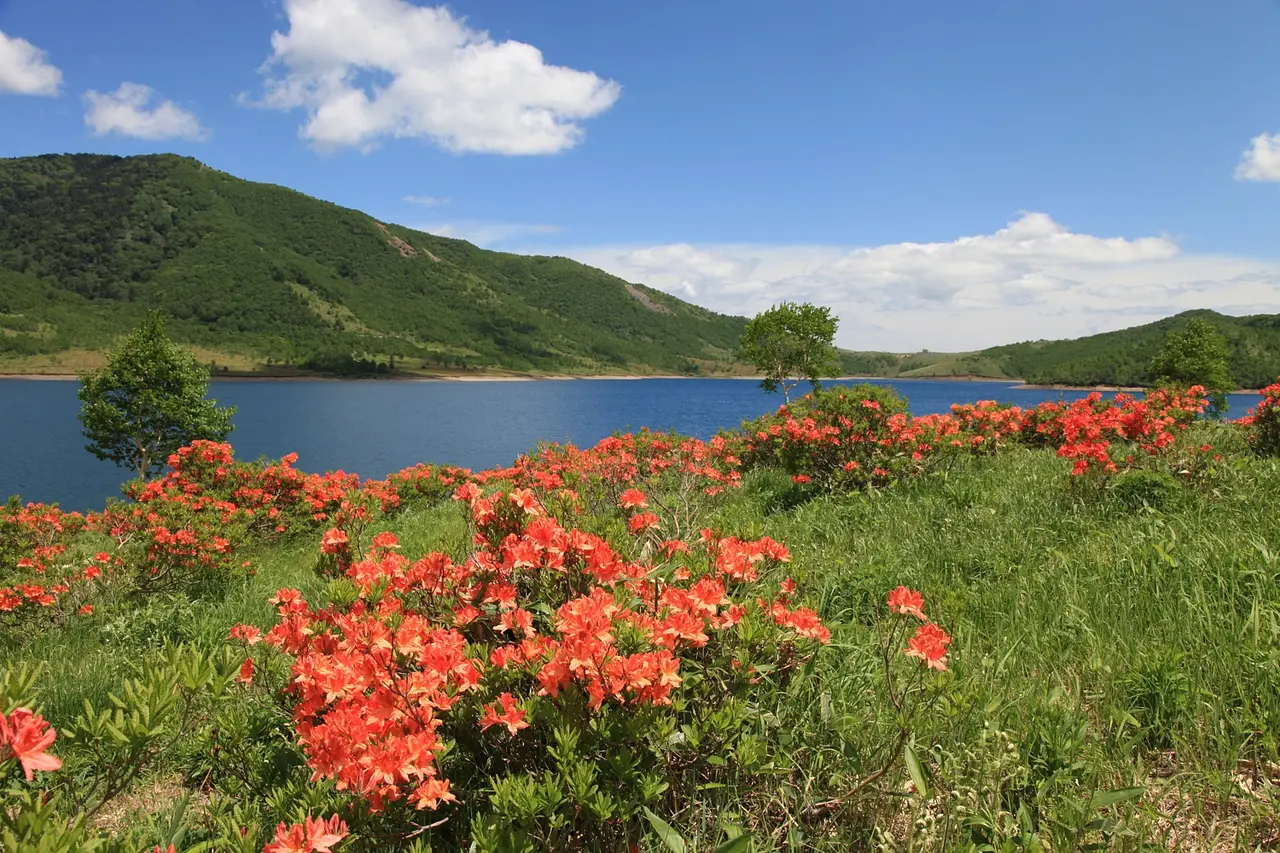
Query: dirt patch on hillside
[
  {"x": 648, "y": 301},
  {"x": 406, "y": 250}
]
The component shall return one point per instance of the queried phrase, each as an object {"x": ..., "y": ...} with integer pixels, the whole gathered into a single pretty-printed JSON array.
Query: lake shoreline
[{"x": 1013, "y": 384}]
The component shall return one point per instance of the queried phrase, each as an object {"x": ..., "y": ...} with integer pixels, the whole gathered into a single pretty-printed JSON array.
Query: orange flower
[
  {"x": 334, "y": 541},
  {"x": 642, "y": 521},
  {"x": 246, "y": 672},
  {"x": 247, "y": 634},
  {"x": 908, "y": 602},
  {"x": 633, "y": 499},
  {"x": 386, "y": 540},
  {"x": 25, "y": 736},
  {"x": 511, "y": 717},
  {"x": 432, "y": 793},
  {"x": 310, "y": 836},
  {"x": 930, "y": 646}
]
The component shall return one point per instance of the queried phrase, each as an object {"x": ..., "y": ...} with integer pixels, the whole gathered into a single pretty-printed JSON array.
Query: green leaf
[
  {"x": 735, "y": 845},
  {"x": 666, "y": 832},
  {"x": 916, "y": 772},
  {"x": 1102, "y": 799}
]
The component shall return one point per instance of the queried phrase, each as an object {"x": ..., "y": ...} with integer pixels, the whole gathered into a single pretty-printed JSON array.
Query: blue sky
[{"x": 945, "y": 175}]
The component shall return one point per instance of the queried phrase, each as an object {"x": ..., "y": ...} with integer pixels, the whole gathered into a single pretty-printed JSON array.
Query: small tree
[
  {"x": 790, "y": 342},
  {"x": 148, "y": 401},
  {"x": 1196, "y": 354}
]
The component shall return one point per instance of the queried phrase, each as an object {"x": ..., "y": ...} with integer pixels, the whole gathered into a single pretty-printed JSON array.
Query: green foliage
[
  {"x": 148, "y": 402},
  {"x": 829, "y": 465},
  {"x": 1264, "y": 433},
  {"x": 791, "y": 341},
  {"x": 261, "y": 276},
  {"x": 1195, "y": 355},
  {"x": 1136, "y": 488},
  {"x": 1113, "y": 675},
  {"x": 1121, "y": 358}
]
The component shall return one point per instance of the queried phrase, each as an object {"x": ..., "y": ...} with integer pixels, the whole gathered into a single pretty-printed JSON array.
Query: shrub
[
  {"x": 536, "y": 682},
  {"x": 1264, "y": 423},
  {"x": 842, "y": 437}
]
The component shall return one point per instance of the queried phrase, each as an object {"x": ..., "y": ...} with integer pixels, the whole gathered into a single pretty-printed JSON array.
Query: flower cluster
[
  {"x": 1263, "y": 422},
  {"x": 929, "y": 644},
  {"x": 26, "y": 737},
  {"x": 538, "y": 611}
]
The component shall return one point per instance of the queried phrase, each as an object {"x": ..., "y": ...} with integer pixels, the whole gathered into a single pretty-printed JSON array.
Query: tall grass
[{"x": 1114, "y": 676}]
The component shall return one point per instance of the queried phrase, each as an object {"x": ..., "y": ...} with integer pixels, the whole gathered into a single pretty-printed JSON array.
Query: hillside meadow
[{"x": 839, "y": 627}]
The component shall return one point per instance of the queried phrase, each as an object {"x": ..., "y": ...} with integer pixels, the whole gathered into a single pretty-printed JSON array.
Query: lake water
[{"x": 376, "y": 427}]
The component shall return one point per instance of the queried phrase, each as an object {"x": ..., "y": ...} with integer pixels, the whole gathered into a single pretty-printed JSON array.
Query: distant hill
[
  {"x": 1113, "y": 358},
  {"x": 257, "y": 275},
  {"x": 260, "y": 277}
]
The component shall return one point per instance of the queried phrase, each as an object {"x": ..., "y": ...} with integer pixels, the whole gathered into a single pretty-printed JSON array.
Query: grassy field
[{"x": 1111, "y": 684}]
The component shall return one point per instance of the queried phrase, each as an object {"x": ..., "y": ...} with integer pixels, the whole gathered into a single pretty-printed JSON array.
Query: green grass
[
  {"x": 1147, "y": 636},
  {"x": 1100, "y": 644}
]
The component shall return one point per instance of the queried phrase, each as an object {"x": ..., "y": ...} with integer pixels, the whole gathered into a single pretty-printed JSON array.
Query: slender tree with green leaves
[
  {"x": 790, "y": 342},
  {"x": 148, "y": 401},
  {"x": 1196, "y": 354}
]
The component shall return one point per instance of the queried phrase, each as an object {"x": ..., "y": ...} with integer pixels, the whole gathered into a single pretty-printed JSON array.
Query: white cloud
[
  {"x": 426, "y": 200},
  {"x": 127, "y": 111},
  {"x": 1031, "y": 279},
  {"x": 25, "y": 68},
  {"x": 484, "y": 233},
  {"x": 1262, "y": 161},
  {"x": 369, "y": 69}
]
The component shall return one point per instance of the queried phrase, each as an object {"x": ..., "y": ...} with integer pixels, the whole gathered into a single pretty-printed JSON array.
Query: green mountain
[
  {"x": 1113, "y": 358},
  {"x": 256, "y": 275},
  {"x": 259, "y": 277}
]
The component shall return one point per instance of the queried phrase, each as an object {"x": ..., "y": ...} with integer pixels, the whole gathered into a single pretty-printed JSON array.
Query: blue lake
[{"x": 376, "y": 427}]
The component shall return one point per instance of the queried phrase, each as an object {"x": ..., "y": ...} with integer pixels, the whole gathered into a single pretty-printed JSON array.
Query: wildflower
[
  {"x": 431, "y": 793},
  {"x": 633, "y": 499},
  {"x": 511, "y": 717},
  {"x": 334, "y": 541},
  {"x": 930, "y": 646},
  {"x": 907, "y": 602},
  {"x": 246, "y": 672},
  {"x": 642, "y": 521},
  {"x": 247, "y": 634},
  {"x": 25, "y": 736},
  {"x": 310, "y": 836}
]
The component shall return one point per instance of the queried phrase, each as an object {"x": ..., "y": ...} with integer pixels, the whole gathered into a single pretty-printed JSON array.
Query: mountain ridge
[
  {"x": 261, "y": 279},
  {"x": 1120, "y": 358},
  {"x": 267, "y": 277}
]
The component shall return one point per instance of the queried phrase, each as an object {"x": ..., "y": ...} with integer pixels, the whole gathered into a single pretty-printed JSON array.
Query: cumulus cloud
[
  {"x": 128, "y": 111},
  {"x": 25, "y": 68},
  {"x": 426, "y": 200},
  {"x": 1031, "y": 279},
  {"x": 484, "y": 233},
  {"x": 1262, "y": 161},
  {"x": 369, "y": 69}
]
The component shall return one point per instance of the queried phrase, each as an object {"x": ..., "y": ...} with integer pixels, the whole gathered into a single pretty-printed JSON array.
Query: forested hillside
[
  {"x": 259, "y": 275},
  {"x": 1113, "y": 358}
]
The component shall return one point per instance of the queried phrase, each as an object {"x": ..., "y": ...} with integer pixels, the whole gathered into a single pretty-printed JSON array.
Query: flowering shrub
[
  {"x": 838, "y": 438},
  {"x": 32, "y": 536},
  {"x": 508, "y": 677},
  {"x": 594, "y": 656},
  {"x": 1263, "y": 422}
]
